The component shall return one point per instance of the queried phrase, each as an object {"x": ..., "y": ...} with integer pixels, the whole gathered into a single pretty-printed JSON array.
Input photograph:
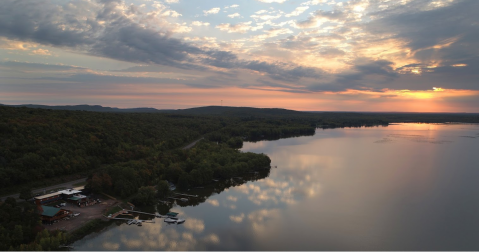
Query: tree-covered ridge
[
  {"x": 197, "y": 166},
  {"x": 36, "y": 144}
]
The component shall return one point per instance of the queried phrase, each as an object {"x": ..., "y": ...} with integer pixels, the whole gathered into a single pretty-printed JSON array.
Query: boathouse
[
  {"x": 50, "y": 214},
  {"x": 47, "y": 198}
]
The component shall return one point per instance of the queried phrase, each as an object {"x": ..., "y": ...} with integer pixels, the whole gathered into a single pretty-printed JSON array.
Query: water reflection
[{"x": 402, "y": 187}]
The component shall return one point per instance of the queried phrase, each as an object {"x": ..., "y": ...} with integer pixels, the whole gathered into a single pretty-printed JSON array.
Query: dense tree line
[
  {"x": 20, "y": 229},
  {"x": 37, "y": 144},
  {"x": 197, "y": 166},
  {"x": 133, "y": 154}
]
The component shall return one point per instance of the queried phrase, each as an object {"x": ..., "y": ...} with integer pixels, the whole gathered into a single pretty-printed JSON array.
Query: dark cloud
[
  {"x": 331, "y": 52},
  {"x": 39, "y": 66},
  {"x": 450, "y": 32},
  {"x": 221, "y": 59},
  {"x": 110, "y": 79},
  {"x": 366, "y": 75},
  {"x": 102, "y": 30},
  {"x": 278, "y": 72},
  {"x": 41, "y": 22}
]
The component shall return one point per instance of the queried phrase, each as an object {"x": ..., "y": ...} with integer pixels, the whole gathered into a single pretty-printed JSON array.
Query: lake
[{"x": 400, "y": 187}]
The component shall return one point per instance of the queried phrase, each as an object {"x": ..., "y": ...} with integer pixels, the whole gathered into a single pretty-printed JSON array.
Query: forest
[
  {"x": 43, "y": 146},
  {"x": 20, "y": 229},
  {"x": 132, "y": 155}
]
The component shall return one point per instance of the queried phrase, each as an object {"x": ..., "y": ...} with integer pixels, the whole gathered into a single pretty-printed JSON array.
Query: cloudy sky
[{"x": 320, "y": 55}]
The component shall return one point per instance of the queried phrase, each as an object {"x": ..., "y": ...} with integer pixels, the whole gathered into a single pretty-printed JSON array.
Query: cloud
[
  {"x": 238, "y": 28},
  {"x": 319, "y": 17},
  {"x": 234, "y": 15},
  {"x": 213, "y": 202},
  {"x": 297, "y": 11},
  {"x": 15, "y": 45},
  {"x": 265, "y": 17},
  {"x": 366, "y": 74},
  {"x": 314, "y": 2},
  {"x": 282, "y": 71},
  {"x": 232, "y": 6},
  {"x": 446, "y": 33},
  {"x": 393, "y": 46},
  {"x": 211, "y": 11},
  {"x": 40, "y": 51},
  {"x": 237, "y": 218},
  {"x": 273, "y": 1},
  {"x": 199, "y": 23},
  {"x": 29, "y": 66},
  {"x": 261, "y": 11},
  {"x": 273, "y": 32}
]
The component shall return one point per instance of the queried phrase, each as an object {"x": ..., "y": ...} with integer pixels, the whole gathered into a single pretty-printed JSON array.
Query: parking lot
[{"x": 86, "y": 214}]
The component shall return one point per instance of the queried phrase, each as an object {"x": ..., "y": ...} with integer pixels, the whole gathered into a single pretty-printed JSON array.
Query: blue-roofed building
[{"x": 50, "y": 214}]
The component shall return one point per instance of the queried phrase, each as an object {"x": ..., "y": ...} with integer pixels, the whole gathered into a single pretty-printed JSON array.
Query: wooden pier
[
  {"x": 188, "y": 195},
  {"x": 127, "y": 219},
  {"x": 141, "y": 212},
  {"x": 181, "y": 199}
]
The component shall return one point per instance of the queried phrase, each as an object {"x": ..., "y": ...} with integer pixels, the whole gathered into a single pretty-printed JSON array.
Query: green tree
[
  {"x": 145, "y": 196},
  {"x": 163, "y": 189},
  {"x": 17, "y": 234},
  {"x": 26, "y": 194},
  {"x": 11, "y": 201},
  {"x": 183, "y": 183}
]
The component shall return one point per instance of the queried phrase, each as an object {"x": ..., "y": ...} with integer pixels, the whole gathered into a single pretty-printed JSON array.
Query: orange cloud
[{"x": 179, "y": 96}]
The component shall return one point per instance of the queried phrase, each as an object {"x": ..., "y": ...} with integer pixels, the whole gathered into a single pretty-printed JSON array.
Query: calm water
[{"x": 401, "y": 187}]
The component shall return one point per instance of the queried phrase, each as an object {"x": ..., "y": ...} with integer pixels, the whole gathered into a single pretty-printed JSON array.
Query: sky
[{"x": 316, "y": 55}]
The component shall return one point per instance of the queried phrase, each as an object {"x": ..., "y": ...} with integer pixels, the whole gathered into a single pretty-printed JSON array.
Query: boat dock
[
  {"x": 188, "y": 195},
  {"x": 141, "y": 212},
  {"x": 127, "y": 219},
  {"x": 182, "y": 199}
]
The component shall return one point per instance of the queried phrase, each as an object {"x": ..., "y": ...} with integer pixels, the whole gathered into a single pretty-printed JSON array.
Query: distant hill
[
  {"x": 94, "y": 108},
  {"x": 209, "y": 110},
  {"x": 237, "y": 111}
]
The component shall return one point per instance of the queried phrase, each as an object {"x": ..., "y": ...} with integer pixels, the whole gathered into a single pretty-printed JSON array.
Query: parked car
[
  {"x": 63, "y": 204},
  {"x": 76, "y": 214}
]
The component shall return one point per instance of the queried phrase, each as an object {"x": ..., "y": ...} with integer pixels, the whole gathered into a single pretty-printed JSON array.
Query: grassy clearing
[
  {"x": 113, "y": 210},
  {"x": 79, "y": 184}
]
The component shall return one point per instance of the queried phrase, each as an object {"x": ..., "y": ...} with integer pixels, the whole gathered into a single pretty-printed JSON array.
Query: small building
[
  {"x": 69, "y": 193},
  {"x": 172, "y": 214},
  {"x": 47, "y": 198},
  {"x": 78, "y": 199},
  {"x": 50, "y": 214}
]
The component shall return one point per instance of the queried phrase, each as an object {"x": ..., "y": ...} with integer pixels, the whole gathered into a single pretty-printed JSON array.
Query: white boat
[
  {"x": 138, "y": 223},
  {"x": 130, "y": 222},
  {"x": 180, "y": 221},
  {"x": 170, "y": 220}
]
